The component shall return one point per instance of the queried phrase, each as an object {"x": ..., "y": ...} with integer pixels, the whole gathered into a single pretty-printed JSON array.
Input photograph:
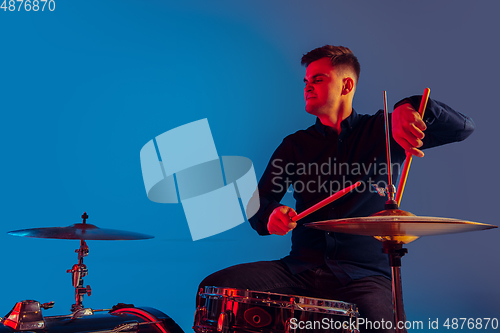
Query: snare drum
[{"x": 236, "y": 310}]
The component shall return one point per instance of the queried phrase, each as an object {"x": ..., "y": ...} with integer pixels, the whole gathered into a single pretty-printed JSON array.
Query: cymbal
[
  {"x": 83, "y": 231},
  {"x": 403, "y": 229}
]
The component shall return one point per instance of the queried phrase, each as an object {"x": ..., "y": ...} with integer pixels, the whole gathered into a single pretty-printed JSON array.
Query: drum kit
[{"x": 234, "y": 310}]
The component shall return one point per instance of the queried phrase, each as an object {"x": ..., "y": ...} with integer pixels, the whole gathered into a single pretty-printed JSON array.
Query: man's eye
[{"x": 313, "y": 81}]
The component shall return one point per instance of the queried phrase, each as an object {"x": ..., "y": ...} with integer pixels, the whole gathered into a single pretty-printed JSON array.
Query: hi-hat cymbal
[
  {"x": 83, "y": 231},
  {"x": 402, "y": 229}
]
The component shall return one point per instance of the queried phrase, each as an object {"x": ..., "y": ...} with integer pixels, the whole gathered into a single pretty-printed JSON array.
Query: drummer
[{"x": 339, "y": 149}]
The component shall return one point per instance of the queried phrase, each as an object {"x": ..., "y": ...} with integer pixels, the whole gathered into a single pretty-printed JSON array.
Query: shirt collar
[{"x": 345, "y": 126}]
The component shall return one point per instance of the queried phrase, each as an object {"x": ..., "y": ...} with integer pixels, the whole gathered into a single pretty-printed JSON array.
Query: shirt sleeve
[
  {"x": 273, "y": 186},
  {"x": 444, "y": 125}
]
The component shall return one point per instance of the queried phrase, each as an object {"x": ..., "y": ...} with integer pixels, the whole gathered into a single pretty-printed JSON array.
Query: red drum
[
  {"x": 123, "y": 319},
  {"x": 235, "y": 310}
]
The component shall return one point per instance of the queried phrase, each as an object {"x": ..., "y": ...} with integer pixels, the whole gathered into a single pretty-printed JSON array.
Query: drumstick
[
  {"x": 406, "y": 167},
  {"x": 325, "y": 202}
]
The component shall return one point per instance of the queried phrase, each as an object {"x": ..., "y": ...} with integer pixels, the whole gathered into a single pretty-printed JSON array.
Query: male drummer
[{"x": 341, "y": 148}]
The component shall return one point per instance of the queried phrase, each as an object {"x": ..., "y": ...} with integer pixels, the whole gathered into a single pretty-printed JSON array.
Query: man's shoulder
[
  {"x": 368, "y": 120},
  {"x": 371, "y": 117},
  {"x": 312, "y": 131}
]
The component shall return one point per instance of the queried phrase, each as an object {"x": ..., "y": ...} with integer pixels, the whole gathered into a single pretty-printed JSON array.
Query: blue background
[{"x": 84, "y": 87}]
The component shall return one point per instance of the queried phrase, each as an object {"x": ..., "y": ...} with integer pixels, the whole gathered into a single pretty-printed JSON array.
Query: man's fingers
[
  {"x": 281, "y": 227},
  {"x": 416, "y": 132},
  {"x": 274, "y": 231},
  {"x": 408, "y": 136},
  {"x": 420, "y": 123},
  {"x": 278, "y": 229},
  {"x": 413, "y": 141},
  {"x": 415, "y": 152},
  {"x": 280, "y": 221},
  {"x": 412, "y": 116},
  {"x": 409, "y": 147},
  {"x": 408, "y": 128},
  {"x": 404, "y": 144},
  {"x": 415, "y": 119},
  {"x": 274, "y": 228},
  {"x": 283, "y": 209},
  {"x": 285, "y": 223},
  {"x": 287, "y": 211}
]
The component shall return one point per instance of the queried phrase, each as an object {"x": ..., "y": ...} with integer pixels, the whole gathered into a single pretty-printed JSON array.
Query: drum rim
[{"x": 301, "y": 303}]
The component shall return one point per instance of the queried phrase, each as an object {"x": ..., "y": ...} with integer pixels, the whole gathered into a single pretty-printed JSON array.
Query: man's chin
[{"x": 312, "y": 110}]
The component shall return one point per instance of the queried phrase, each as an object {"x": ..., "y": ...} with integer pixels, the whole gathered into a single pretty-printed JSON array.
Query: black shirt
[{"x": 318, "y": 162}]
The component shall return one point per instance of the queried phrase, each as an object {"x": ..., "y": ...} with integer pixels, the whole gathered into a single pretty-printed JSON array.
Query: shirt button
[{"x": 327, "y": 257}]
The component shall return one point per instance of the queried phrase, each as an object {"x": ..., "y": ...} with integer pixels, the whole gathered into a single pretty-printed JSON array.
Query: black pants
[{"x": 372, "y": 295}]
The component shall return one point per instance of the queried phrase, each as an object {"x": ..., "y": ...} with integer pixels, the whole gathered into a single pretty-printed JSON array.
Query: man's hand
[
  {"x": 407, "y": 129},
  {"x": 280, "y": 220}
]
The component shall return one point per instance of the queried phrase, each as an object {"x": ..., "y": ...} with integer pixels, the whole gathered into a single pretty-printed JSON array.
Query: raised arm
[{"x": 440, "y": 125}]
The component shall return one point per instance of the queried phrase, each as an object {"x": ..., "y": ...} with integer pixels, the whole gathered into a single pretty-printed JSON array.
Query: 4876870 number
[
  {"x": 28, "y": 5},
  {"x": 471, "y": 323}
]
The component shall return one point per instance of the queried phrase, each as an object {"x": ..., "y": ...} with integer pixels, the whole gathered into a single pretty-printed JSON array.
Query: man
[{"x": 342, "y": 148}]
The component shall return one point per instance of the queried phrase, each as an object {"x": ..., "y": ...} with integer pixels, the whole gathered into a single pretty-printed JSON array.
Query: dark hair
[{"x": 339, "y": 55}]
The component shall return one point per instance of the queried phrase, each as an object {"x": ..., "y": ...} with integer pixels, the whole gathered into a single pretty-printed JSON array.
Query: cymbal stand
[
  {"x": 391, "y": 189},
  {"x": 394, "y": 249},
  {"x": 78, "y": 272}
]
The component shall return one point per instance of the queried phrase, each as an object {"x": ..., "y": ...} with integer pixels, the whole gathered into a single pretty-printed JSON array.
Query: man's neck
[{"x": 334, "y": 120}]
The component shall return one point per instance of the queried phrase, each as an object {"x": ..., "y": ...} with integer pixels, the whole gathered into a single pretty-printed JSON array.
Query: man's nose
[{"x": 309, "y": 87}]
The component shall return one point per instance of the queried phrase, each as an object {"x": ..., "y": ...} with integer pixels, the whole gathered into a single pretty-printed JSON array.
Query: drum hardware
[
  {"x": 200, "y": 313},
  {"x": 391, "y": 189},
  {"x": 82, "y": 231},
  {"x": 150, "y": 319},
  {"x": 395, "y": 227},
  {"x": 238, "y": 310},
  {"x": 82, "y": 312},
  {"x": 257, "y": 317},
  {"x": 78, "y": 272},
  {"x": 27, "y": 315},
  {"x": 133, "y": 327},
  {"x": 225, "y": 322}
]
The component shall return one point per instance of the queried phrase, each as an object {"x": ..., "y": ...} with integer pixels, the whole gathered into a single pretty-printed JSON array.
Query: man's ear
[{"x": 348, "y": 85}]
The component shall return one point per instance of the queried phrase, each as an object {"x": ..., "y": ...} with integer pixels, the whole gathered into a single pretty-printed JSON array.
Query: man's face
[{"x": 323, "y": 87}]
